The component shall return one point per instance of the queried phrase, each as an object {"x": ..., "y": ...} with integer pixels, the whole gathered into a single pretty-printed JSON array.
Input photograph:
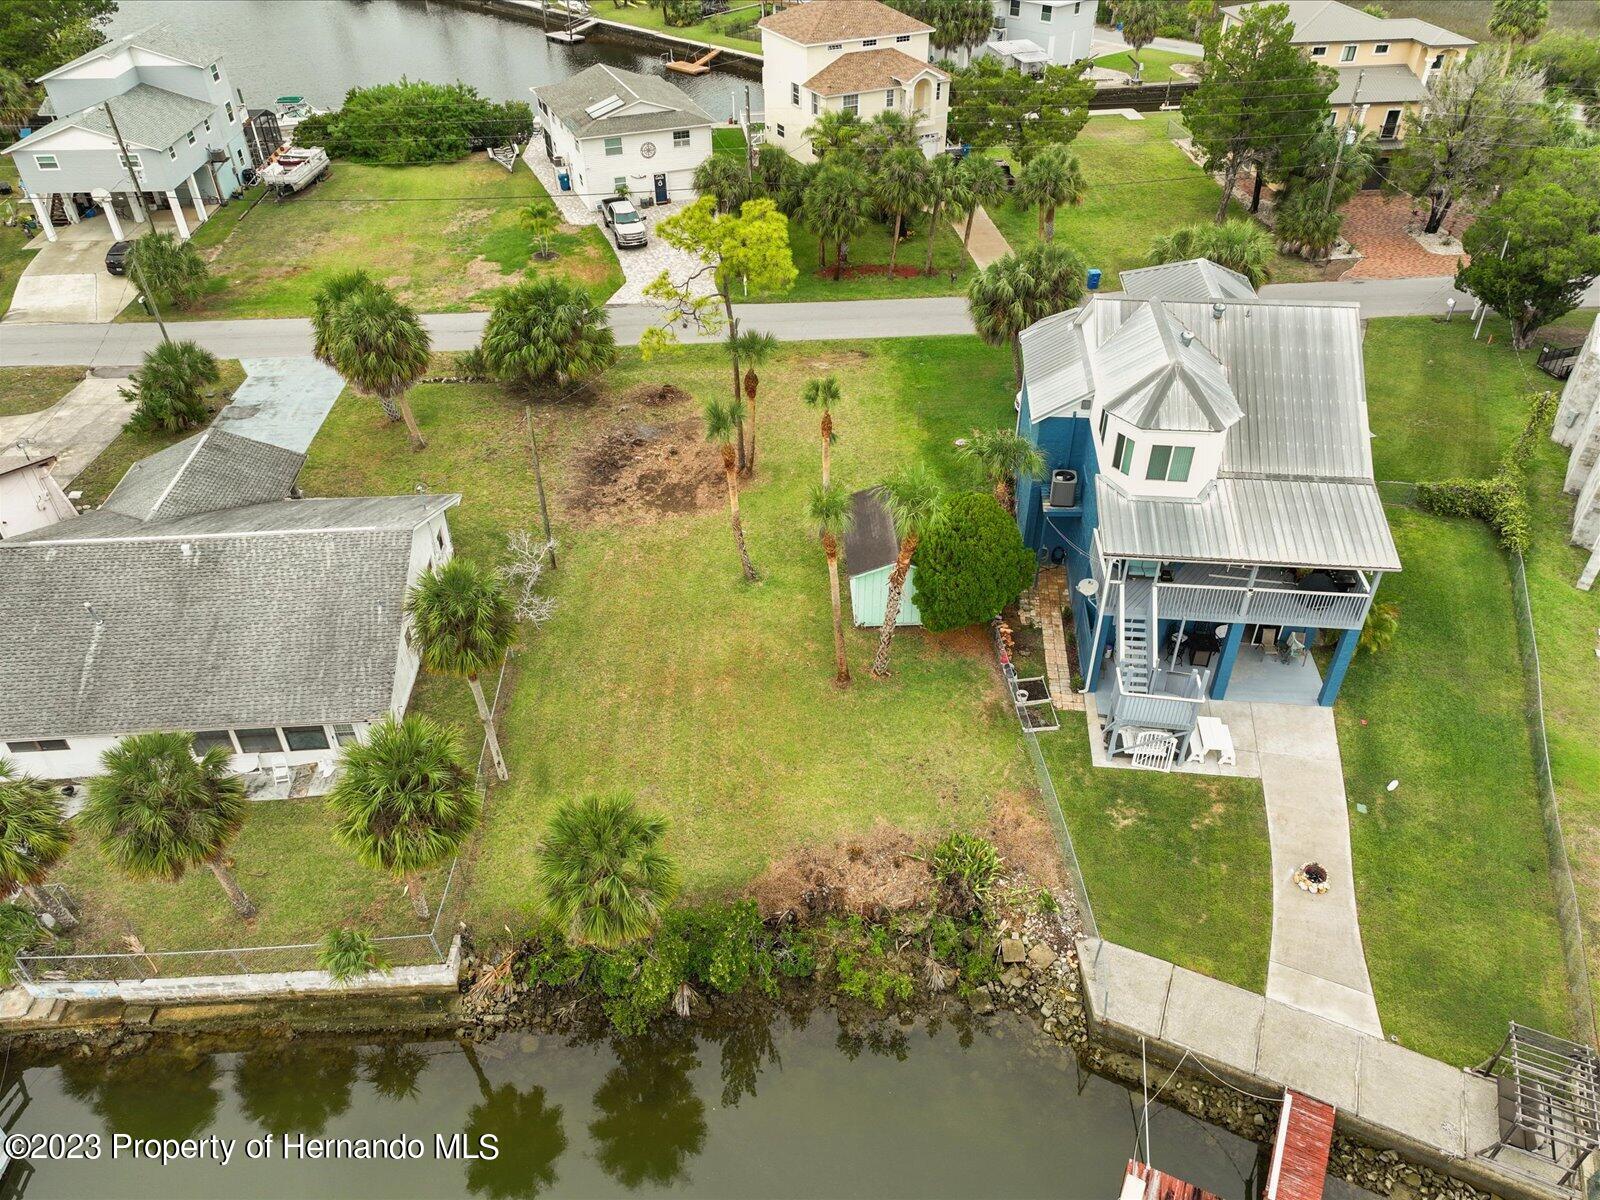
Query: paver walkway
[
  {"x": 1378, "y": 226},
  {"x": 1044, "y": 606},
  {"x": 1317, "y": 962},
  {"x": 75, "y": 428},
  {"x": 988, "y": 244}
]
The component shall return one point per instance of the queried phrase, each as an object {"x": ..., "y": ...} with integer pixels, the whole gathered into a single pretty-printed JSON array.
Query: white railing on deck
[{"x": 1264, "y": 606}]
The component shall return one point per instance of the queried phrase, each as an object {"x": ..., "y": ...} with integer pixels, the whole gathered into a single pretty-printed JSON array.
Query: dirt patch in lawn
[
  {"x": 877, "y": 873},
  {"x": 654, "y": 395},
  {"x": 642, "y": 471}
]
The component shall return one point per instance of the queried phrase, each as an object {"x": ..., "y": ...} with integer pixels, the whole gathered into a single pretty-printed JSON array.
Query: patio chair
[
  {"x": 1293, "y": 650},
  {"x": 280, "y": 770}
]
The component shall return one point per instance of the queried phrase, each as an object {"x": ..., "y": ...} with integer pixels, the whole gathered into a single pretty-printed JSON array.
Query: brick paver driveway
[{"x": 1376, "y": 224}]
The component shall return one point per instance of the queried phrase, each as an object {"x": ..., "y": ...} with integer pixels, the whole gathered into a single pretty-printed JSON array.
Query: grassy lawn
[
  {"x": 13, "y": 258},
  {"x": 662, "y": 672},
  {"x": 869, "y": 251},
  {"x": 1140, "y": 187},
  {"x": 29, "y": 389},
  {"x": 449, "y": 236},
  {"x": 1177, "y": 866},
  {"x": 1157, "y": 64},
  {"x": 718, "y": 30}
]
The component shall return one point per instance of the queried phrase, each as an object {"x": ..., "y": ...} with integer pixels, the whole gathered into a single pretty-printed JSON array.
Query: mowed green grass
[
  {"x": 866, "y": 272},
  {"x": 444, "y": 237},
  {"x": 664, "y": 674},
  {"x": 1178, "y": 866},
  {"x": 1141, "y": 186},
  {"x": 30, "y": 389},
  {"x": 1157, "y": 64}
]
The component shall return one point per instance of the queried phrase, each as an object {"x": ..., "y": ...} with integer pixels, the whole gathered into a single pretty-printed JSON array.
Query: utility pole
[
  {"x": 133, "y": 257},
  {"x": 1338, "y": 151}
]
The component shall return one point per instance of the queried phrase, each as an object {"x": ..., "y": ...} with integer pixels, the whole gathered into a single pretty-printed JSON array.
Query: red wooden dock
[
  {"x": 1300, "y": 1153},
  {"x": 1144, "y": 1182}
]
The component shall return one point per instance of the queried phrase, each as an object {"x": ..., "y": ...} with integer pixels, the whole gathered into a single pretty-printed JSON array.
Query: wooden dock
[
  {"x": 1300, "y": 1153},
  {"x": 1144, "y": 1182},
  {"x": 698, "y": 66}
]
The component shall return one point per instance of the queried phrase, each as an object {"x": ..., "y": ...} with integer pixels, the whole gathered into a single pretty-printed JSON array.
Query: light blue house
[
  {"x": 180, "y": 118},
  {"x": 1210, "y": 492}
]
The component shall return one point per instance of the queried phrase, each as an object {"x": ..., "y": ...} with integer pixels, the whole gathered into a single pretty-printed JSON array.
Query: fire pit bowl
[{"x": 1313, "y": 878}]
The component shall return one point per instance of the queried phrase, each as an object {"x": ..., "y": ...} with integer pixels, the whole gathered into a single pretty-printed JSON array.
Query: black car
[{"x": 117, "y": 258}]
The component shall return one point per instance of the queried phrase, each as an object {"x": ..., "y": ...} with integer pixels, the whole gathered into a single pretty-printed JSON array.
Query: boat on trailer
[{"x": 294, "y": 170}]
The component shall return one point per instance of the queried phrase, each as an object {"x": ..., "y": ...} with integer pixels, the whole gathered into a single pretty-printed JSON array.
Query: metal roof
[
  {"x": 1156, "y": 375},
  {"x": 1317, "y": 21},
  {"x": 1379, "y": 85},
  {"x": 571, "y": 99},
  {"x": 1191, "y": 279},
  {"x": 149, "y": 117},
  {"x": 870, "y": 543},
  {"x": 1055, "y": 364}
]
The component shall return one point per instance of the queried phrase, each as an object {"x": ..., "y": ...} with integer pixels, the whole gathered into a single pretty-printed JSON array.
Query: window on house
[
  {"x": 794, "y": 94},
  {"x": 240, "y": 94},
  {"x": 1077, "y": 7},
  {"x": 904, "y": 37},
  {"x": 1105, "y": 418},
  {"x": 208, "y": 124},
  {"x": 46, "y": 162},
  {"x": 172, "y": 152},
  {"x": 835, "y": 45},
  {"x": 1319, "y": 52},
  {"x": 208, "y": 739},
  {"x": 816, "y": 104},
  {"x": 1170, "y": 463},
  {"x": 132, "y": 161},
  {"x": 888, "y": 98},
  {"x": 191, "y": 137},
  {"x": 259, "y": 741},
  {"x": 619, "y": 185},
  {"x": 1046, "y": 11},
  {"x": 40, "y": 746},
  {"x": 228, "y": 105},
  {"x": 216, "y": 75},
  {"x": 1348, "y": 54},
  {"x": 680, "y": 138},
  {"x": 1381, "y": 48},
  {"x": 1016, "y": 8},
  {"x": 1122, "y": 456},
  {"x": 306, "y": 737},
  {"x": 852, "y": 103},
  {"x": 613, "y": 147},
  {"x": 1438, "y": 61},
  {"x": 344, "y": 734},
  {"x": 780, "y": 131},
  {"x": 866, "y": 42},
  {"x": 938, "y": 88}
]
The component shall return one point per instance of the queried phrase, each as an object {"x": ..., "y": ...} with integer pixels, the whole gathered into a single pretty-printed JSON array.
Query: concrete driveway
[
  {"x": 75, "y": 428},
  {"x": 68, "y": 281}
]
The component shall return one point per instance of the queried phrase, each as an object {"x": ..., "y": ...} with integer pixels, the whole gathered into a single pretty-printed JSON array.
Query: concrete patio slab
[
  {"x": 283, "y": 401},
  {"x": 1226, "y": 1020},
  {"x": 1310, "y": 1055},
  {"x": 1128, "y": 987},
  {"x": 75, "y": 428},
  {"x": 1421, "y": 1097}
]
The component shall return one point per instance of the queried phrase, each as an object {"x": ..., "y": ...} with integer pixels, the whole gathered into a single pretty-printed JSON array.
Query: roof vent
[
  {"x": 1186, "y": 337},
  {"x": 1217, "y": 309}
]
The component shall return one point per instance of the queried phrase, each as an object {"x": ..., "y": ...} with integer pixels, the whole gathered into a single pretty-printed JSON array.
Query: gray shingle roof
[
  {"x": 209, "y": 471},
  {"x": 160, "y": 37},
  {"x": 870, "y": 543},
  {"x": 1191, "y": 279},
  {"x": 1379, "y": 85},
  {"x": 570, "y": 98},
  {"x": 148, "y": 116},
  {"x": 1331, "y": 21}
]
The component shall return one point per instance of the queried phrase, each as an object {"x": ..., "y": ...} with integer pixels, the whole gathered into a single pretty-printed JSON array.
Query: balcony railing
[
  {"x": 1173, "y": 703},
  {"x": 1263, "y": 605}
]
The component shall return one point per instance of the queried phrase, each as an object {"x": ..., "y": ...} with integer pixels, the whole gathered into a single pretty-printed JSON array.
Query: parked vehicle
[
  {"x": 295, "y": 170},
  {"x": 626, "y": 225},
  {"x": 117, "y": 258}
]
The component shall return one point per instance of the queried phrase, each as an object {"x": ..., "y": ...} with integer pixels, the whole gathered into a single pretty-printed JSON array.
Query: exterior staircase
[{"x": 1133, "y": 655}]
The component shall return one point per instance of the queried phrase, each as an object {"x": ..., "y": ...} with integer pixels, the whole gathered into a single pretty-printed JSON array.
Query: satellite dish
[{"x": 1087, "y": 587}]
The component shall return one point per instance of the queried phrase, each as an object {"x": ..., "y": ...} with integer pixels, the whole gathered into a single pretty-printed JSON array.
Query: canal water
[
  {"x": 771, "y": 1107},
  {"x": 320, "y": 49}
]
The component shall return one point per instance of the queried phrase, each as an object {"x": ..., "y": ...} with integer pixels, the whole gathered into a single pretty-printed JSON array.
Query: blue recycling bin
[
  {"x": 564, "y": 180},
  {"x": 1094, "y": 279}
]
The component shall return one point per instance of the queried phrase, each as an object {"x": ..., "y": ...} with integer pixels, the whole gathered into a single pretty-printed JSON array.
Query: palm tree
[
  {"x": 752, "y": 348},
  {"x": 898, "y": 187},
  {"x": 834, "y": 129},
  {"x": 944, "y": 184},
  {"x": 547, "y": 332},
  {"x": 912, "y": 498},
  {"x": 1238, "y": 244},
  {"x": 381, "y": 348},
  {"x": 824, "y": 394},
  {"x": 541, "y": 221},
  {"x": 1025, "y": 286},
  {"x": 332, "y": 292},
  {"x": 727, "y": 178},
  {"x": 33, "y": 838},
  {"x": 887, "y": 131},
  {"x": 169, "y": 388},
  {"x": 606, "y": 878},
  {"x": 1053, "y": 178},
  {"x": 835, "y": 209},
  {"x": 159, "y": 810},
  {"x": 1004, "y": 456},
  {"x": 404, "y": 800},
  {"x": 464, "y": 623},
  {"x": 981, "y": 181},
  {"x": 723, "y": 418},
  {"x": 831, "y": 512}
]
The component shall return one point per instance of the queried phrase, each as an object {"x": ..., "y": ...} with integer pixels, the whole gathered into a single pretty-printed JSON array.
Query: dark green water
[{"x": 793, "y": 1107}]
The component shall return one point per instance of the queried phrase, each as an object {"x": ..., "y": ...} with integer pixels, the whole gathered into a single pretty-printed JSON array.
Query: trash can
[
  {"x": 1094, "y": 279},
  {"x": 564, "y": 180}
]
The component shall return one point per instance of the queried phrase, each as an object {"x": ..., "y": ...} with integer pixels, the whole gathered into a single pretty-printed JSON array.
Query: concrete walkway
[
  {"x": 988, "y": 244},
  {"x": 1317, "y": 962},
  {"x": 283, "y": 401},
  {"x": 75, "y": 428}
]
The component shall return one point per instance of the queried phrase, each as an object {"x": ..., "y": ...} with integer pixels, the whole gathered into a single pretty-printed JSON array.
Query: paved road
[{"x": 124, "y": 345}]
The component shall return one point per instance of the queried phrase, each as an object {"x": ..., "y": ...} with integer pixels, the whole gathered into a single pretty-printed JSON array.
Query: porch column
[
  {"x": 108, "y": 203},
  {"x": 1346, "y": 650},
  {"x": 41, "y": 209},
  {"x": 1102, "y": 639},
  {"x": 1230, "y": 652},
  {"x": 177, "y": 216},
  {"x": 199, "y": 200}
]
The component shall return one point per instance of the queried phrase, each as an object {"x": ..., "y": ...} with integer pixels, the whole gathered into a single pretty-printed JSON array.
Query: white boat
[
  {"x": 295, "y": 170},
  {"x": 291, "y": 110}
]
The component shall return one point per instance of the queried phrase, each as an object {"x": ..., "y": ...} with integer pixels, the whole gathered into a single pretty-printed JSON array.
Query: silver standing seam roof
[
  {"x": 1191, "y": 279},
  {"x": 571, "y": 99},
  {"x": 1295, "y": 485}
]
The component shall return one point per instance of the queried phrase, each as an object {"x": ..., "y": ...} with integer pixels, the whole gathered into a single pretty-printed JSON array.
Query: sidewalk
[{"x": 988, "y": 243}]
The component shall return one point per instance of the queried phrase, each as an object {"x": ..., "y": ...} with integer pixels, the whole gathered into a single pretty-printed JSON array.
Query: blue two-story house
[{"x": 1209, "y": 492}]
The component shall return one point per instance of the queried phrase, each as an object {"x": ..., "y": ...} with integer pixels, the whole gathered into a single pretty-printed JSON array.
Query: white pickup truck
[{"x": 626, "y": 225}]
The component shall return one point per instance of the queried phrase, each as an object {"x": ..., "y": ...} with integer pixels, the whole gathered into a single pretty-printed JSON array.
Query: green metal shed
[{"x": 870, "y": 549}]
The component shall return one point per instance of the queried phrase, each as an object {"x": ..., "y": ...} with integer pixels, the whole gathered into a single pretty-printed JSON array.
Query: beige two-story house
[
  {"x": 855, "y": 56},
  {"x": 1384, "y": 64}
]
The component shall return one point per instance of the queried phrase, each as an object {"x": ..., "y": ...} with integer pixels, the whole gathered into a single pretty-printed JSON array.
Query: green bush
[
  {"x": 967, "y": 866},
  {"x": 346, "y": 953},
  {"x": 679, "y": 13},
  {"x": 971, "y": 564},
  {"x": 169, "y": 388},
  {"x": 415, "y": 122},
  {"x": 1501, "y": 500},
  {"x": 1305, "y": 227},
  {"x": 19, "y": 930},
  {"x": 171, "y": 269},
  {"x": 863, "y": 963}
]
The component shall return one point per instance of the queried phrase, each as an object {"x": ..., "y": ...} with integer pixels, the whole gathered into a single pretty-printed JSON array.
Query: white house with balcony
[
  {"x": 856, "y": 56},
  {"x": 610, "y": 131},
  {"x": 179, "y": 116},
  {"x": 1031, "y": 35}
]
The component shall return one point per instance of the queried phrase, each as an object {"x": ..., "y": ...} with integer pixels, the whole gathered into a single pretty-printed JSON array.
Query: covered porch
[{"x": 122, "y": 213}]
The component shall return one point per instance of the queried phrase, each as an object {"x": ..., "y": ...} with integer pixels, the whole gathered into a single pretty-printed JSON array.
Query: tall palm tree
[
  {"x": 1004, "y": 456},
  {"x": 824, "y": 394},
  {"x": 830, "y": 512},
  {"x": 331, "y": 293},
  {"x": 834, "y": 129},
  {"x": 464, "y": 622},
  {"x": 944, "y": 185},
  {"x": 727, "y": 178},
  {"x": 33, "y": 838},
  {"x": 404, "y": 800},
  {"x": 159, "y": 810},
  {"x": 898, "y": 187},
  {"x": 1052, "y": 179},
  {"x": 981, "y": 181},
  {"x": 835, "y": 209},
  {"x": 752, "y": 348},
  {"x": 912, "y": 498},
  {"x": 606, "y": 878},
  {"x": 723, "y": 418},
  {"x": 540, "y": 221},
  {"x": 381, "y": 348},
  {"x": 1025, "y": 286},
  {"x": 1238, "y": 243}
]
